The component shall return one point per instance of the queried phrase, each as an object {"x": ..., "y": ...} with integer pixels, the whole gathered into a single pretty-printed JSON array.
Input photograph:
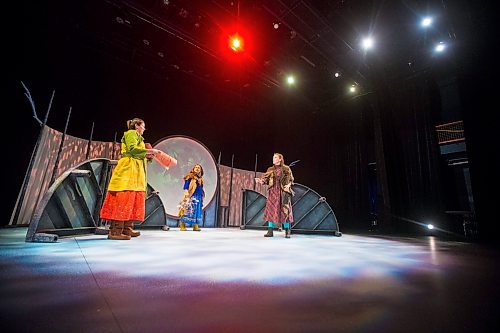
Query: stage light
[
  {"x": 276, "y": 25},
  {"x": 337, "y": 74},
  {"x": 290, "y": 80},
  {"x": 440, "y": 47},
  {"x": 426, "y": 22},
  {"x": 352, "y": 88},
  {"x": 236, "y": 43},
  {"x": 367, "y": 43},
  {"x": 430, "y": 226}
]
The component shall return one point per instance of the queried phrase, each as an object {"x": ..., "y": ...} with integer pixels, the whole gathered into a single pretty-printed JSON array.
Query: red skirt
[{"x": 124, "y": 206}]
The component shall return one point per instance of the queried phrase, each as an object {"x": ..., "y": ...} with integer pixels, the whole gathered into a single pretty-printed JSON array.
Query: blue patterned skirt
[{"x": 194, "y": 213}]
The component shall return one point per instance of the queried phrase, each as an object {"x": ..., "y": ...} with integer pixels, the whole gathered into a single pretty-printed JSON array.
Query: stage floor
[{"x": 229, "y": 280}]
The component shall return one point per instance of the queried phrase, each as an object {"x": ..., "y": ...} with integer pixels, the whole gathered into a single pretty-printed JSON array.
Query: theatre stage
[{"x": 229, "y": 280}]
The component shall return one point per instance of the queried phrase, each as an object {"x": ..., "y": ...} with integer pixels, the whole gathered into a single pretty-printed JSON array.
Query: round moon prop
[{"x": 169, "y": 182}]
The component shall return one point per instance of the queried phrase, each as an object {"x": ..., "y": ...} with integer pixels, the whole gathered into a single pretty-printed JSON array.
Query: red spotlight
[{"x": 236, "y": 43}]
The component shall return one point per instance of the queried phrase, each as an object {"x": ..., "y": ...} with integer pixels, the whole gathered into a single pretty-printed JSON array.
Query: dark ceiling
[
  {"x": 314, "y": 40},
  {"x": 168, "y": 62}
]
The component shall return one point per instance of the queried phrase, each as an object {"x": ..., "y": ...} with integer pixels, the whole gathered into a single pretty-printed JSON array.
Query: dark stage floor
[{"x": 228, "y": 280}]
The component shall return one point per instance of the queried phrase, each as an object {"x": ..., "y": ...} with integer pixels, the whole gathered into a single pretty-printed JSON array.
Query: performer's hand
[
  {"x": 287, "y": 187},
  {"x": 153, "y": 151}
]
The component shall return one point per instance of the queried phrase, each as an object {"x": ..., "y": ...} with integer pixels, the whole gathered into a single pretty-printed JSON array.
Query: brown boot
[
  {"x": 196, "y": 227},
  {"x": 129, "y": 229},
  {"x": 116, "y": 231},
  {"x": 182, "y": 225},
  {"x": 269, "y": 232}
]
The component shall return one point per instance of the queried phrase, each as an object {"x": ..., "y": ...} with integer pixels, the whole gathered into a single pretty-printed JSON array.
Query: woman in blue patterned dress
[{"x": 191, "y": 211}]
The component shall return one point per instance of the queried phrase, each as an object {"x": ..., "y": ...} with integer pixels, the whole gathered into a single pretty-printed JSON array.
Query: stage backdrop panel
[
  {"x": 234, "y": 186},
  {"x": 223, "y": 185},
  {"x": 74, "y": 151}
]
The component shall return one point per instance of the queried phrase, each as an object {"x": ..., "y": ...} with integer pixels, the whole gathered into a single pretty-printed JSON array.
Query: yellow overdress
[{"x": 130, "y": 172}]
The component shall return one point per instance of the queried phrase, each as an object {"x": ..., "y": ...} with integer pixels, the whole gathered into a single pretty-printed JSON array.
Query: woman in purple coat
[{"x": 279, "y": 179}]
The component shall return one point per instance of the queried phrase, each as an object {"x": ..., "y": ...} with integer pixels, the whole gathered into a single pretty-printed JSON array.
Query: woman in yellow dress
[{"x": 125, "y": 200}]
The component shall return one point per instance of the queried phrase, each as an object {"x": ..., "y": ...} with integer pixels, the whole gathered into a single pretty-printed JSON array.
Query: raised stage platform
[{"x": 232, "y": 280}]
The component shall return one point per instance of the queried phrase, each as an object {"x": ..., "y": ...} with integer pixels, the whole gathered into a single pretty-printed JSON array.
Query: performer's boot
[
  {"x": 288, "y": 230},
  {"x": 120, "y": 226},
  {"x": 196, "y": 227},
  {"x": 269, "y": 230},
  {"x": 112, "y": 227},
  {"x": 182, "y": 225},
  {"x": 116, "y": 231},
  {"x": 129, "y": 229}
]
